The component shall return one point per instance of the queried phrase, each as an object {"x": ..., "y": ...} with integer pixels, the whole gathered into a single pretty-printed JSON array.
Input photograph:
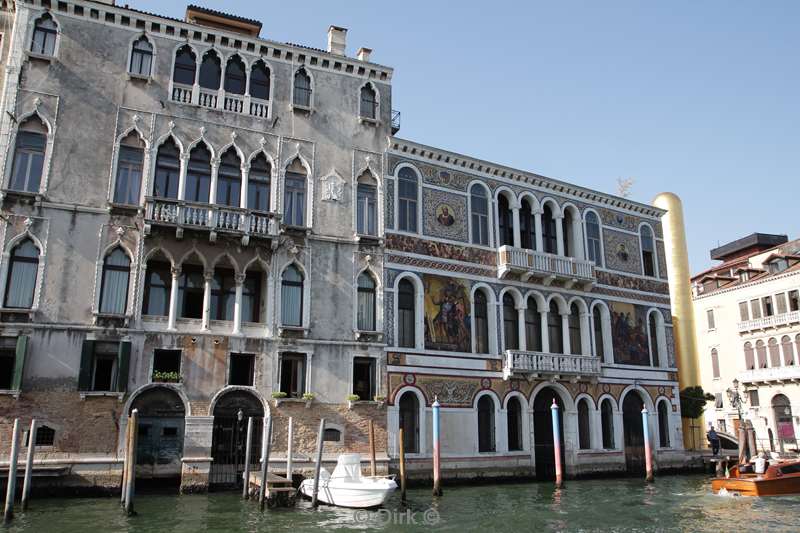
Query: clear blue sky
[{"x": 695, "y": 97}]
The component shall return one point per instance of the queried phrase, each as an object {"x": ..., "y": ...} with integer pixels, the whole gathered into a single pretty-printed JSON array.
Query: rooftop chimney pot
[
  {"x": 337, "y": 40},
  {"x": 363, "y": 53}
]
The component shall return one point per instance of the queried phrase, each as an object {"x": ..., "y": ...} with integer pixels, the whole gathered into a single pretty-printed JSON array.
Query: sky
[{"x": 695, "y": 97}]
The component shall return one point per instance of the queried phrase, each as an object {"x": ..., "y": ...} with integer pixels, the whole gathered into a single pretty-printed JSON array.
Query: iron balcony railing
[
  {"x": 540, "y": 363},
  {"x": 395, "y": 121}
]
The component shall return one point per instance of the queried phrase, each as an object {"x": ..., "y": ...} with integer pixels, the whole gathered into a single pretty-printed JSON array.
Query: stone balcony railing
[
  {"x": 767, "y": 322},
  {"x": 244, "y": 223},
  {"x": 220, "y": 99},
  {"x": 546, "y": 267},
  {"x": 549, "y": 364},
  {"x": 780, "y": 374}
]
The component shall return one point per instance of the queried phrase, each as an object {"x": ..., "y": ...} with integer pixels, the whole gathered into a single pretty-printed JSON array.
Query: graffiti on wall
[
  {"x": 629, "y": 334},
  {"x": 447, "y": 314}
]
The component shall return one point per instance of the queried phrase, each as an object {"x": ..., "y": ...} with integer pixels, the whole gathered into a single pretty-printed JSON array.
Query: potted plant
[
  {"x": 351, "y": 399},
  {"x": 308, "y": 397},
  {"x": 380, "y": 400},
  {"x": 278, "y": 396},
  {"x": 166, "y": 377}
]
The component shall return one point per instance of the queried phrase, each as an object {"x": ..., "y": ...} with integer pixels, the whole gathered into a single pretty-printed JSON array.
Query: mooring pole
[
  {"x": 742, "y": 443},
  {"x": 125, "y": 447},
  {"x": 289, "y": 450},
  {"x": 318, "y": 466},
  {"x": 557, "y": 444},
  {"x": 402, "y": 451},
  {"x": 26, "y": 486},
  {"x": 648, "y": 456},
  {"x": 131, "y": 484},
  {"x": 265, "y": 462},
  {"x": 247, "y": 452},
  {"x": 372, "y": 467},
  {"x": 751, "y": 440},
  {"x": 12, "y": 472},
  {"x": 437, "y": 474}
]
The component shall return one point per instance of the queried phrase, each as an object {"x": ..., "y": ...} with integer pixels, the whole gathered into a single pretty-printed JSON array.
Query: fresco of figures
[{"x": 447, "y": 314}]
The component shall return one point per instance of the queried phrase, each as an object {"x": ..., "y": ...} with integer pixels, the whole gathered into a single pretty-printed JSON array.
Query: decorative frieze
[{"x": 411, "y": 244}]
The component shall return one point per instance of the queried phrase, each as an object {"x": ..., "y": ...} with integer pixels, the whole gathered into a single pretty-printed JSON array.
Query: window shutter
[
  {"x": 123, "y": 361},
  {"x": 85, "y": 376},
  {"x": 19, "y": 362}
]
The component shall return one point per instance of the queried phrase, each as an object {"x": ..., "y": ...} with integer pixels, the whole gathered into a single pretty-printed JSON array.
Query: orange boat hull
[{"x": 757, "y": 487}]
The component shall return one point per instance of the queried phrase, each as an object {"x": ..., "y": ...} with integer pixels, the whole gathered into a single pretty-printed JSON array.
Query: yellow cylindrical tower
[{"x": 680, "y": 295}]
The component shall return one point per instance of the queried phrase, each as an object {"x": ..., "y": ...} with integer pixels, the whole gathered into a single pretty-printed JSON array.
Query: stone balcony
[
  {"x": 762, "y": 376},
  {"x": 767, "y": 322},
  {"x": 220, "y": 100},
  {"x": 215, "y": 219},
  {"x": 545, "y": 267},
  {"x": 537, "y": 364}
]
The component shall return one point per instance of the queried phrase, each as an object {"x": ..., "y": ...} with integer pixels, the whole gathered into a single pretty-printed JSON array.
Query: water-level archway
[
  {"x": 228, "y": 442},
  {"x": 159, "y": 447},
  {"x": 543, "y": 433},
  {"x": 633, "y": 432}
]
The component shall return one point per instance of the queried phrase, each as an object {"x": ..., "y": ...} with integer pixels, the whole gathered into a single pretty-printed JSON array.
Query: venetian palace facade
[
  {"x": 206, "y": 225},
  {"x": 748, "y": 331}
]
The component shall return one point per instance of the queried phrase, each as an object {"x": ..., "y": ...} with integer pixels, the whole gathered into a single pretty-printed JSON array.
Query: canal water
[{"x": 672, "y": 503}]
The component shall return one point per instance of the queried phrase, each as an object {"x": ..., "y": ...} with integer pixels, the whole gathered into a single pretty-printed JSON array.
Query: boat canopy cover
[{"x": 348, "y": 467}]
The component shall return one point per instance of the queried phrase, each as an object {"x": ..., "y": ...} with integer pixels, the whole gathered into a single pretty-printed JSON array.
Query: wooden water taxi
[{"x": 779, "y": 478}]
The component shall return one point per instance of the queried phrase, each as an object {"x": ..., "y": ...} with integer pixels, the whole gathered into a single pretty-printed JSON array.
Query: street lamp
[{"x": 736, "y": 399}]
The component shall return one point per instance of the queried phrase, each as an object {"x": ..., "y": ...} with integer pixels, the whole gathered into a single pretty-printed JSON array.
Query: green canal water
[{"x": 670, "y": 504}]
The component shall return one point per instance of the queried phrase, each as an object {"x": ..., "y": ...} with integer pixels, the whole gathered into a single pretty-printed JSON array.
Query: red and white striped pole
[
  {"x": 648, "y": 457},
  {"x": 557, "y": 443},
  {"x": 437, "y": 474}
]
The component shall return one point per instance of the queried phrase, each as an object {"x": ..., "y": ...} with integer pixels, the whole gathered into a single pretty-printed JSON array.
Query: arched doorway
[
  {"x": 409, "y": 422},
  {"x": 486, "y": 438},
  {"x": 159, "y": 446},
  {"x": 514, "y": 425},
  {"x": 633, "y": 430},
  {"x": 543, "y": 433},
  {"x": 784, "y": 422},
  {"x": 230, "y": 435}
]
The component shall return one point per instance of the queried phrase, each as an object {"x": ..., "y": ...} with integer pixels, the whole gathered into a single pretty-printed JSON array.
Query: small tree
[{"x": 693, "y": 401}]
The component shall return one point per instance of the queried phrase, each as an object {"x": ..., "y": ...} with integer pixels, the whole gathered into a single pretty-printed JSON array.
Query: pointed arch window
[
  {"x": 366, "y": 302},
  {"x": 210, "y": 71},
  {"x": 555, "y": 329},
  {"x": 549, "y": 236},
  {"x": 191, "y": 291},
  {"x": 258, "y": 184},
  {"x": 229, "y": 179},
  {"x": 294, "y": 194},
  {"x": 366, "y": 205},
  {"x": 407, "y": 204},
  {"x": 607, "y": 424},
  {"x": 198, "y": 174},
  {"x": 648, "y": 251},
  {"x": 251, "y": 297},
  {"x": 302, "y": 89},
  {"x": 481, "y": 322},
  {"x": 185, "y": 66},
  {"x": 29, "y": 151},
  {"x": 114, "y": 285},
  {"x": 235, "y": 79},
  {"x": 130, "y": 160},
  {"x": 406, "y": 314},
  {"x": 584, "y": 440},
  {"x": 292, "y": 297},
  {"x": 141, "y": 57},
  {"x": 23, "y": 270},
  {"x": 574, "y": 322},
  {"x": 223, "y": 294},
  {"x": 593, "y": 249},
  {"x": 45, "y": 33},
  {"x": 259, "y": 81},
  {"x": 533, "y": 326},
  {"x": 157, "y": 288},
  {"x": 510, "y": 323},
  {"x": 663, "y": 424},
  {"x": 479, "y": 205},
  {"x": 168, "y": 169},
  {"x": 369, "y": 102}
]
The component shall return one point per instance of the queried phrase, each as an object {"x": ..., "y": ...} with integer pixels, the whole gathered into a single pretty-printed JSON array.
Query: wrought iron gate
[{"x": 228, "y": 450}]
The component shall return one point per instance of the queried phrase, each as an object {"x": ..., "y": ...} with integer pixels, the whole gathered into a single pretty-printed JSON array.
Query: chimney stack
[
  {"x": 337, "y": 40},
  {"x": 363, "y": 53}
]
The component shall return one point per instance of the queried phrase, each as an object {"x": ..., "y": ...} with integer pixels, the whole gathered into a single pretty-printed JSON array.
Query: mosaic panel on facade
[
  {"x": 628, "y": 282},
  {"x": 447, "y": 314},
  {"x": 629, "y": 333},
  {"x": 389, "y": 199},
  {"x": 444, "y": 215},
  {"x": 662, "y": 260},
  {"x": 411, "y": 244},
  {"x": 438, "y": 265},
  {"x": 622, "y": 251}
]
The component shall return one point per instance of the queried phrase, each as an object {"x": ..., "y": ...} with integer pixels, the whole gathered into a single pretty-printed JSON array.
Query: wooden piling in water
[
  {"x": 289, "y": 450},
  {"x": 437, "y": 482},
  {"x": 262, "y": 490},
  {"x": 26, "y": 486},
  {"x": 247, "y": 453},
  {"x": 12, "y": 472},
  {"x": 751, "y": 440},
  {"x": 131, "y": 483},
  {"x": 318, "y": 466},
  {"x": 125, "y": 446},
  {"x": 648, "y": 454},
  {"x": 402, "y": 451},
  {"x": 742, "y": 444},
  {"x": 372, "y": 468},
  {"x": 557, "y": 444}
]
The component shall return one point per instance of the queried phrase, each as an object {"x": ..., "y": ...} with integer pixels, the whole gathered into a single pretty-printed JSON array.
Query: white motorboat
[{"x": 346, "y": 487}]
